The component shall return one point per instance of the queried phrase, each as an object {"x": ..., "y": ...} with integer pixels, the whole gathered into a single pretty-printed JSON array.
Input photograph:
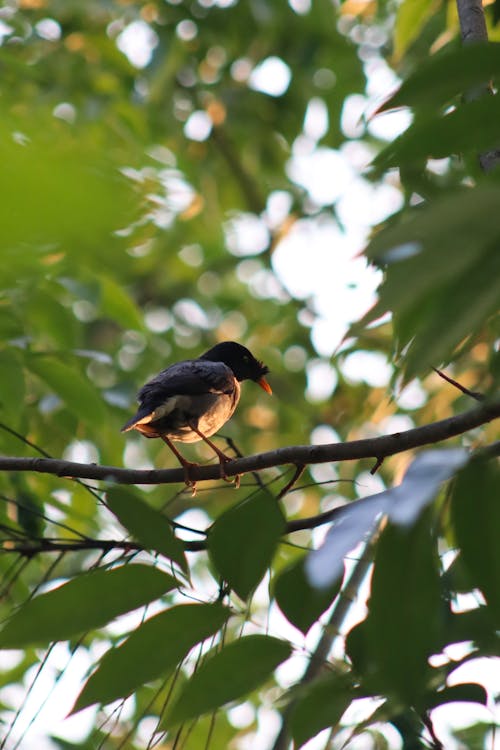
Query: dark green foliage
[
  {"x": 300, "y": 602},
  {"x": 152, "y": 650},
  {"x": 104, "y": 594},
  {"x": 242, "y": 541},
  {"x": 227, "y": 675}
]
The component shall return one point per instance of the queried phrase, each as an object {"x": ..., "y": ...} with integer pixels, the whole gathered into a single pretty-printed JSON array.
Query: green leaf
[
  {"x": 242, "y": 542},
  {"x": 11, "y": 386},
  {"x": 59, "y": 186},
  {"x": 448, "y": 250},
  {"x": 471, "y": 127},
  {"x": 435, "y": 244},
  {"x": 475, "y": 512},
  {"x": 88, "y": 601},
  {"x": 148, "y": 526},
  {"x": 116, "y": 304},
  {"x": 320, "y": 706},
  {"x": 469, "y": 692},
  {"x": 446, "y": 75},
  {"x": 410, "y": 18},
  {"x": 153, "y": 649},
  {"x": 225, "y": 676},
  {"x": 450, "y": 318},
  {"x": 300, "y": 602},
  {"x": 78, "y": 393},
  {"x": 48, "y": 319},
  {"x": 403, "y": 623}
]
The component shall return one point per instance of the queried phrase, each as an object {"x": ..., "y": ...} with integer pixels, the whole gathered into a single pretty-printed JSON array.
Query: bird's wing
[{"x": 189, "y": 378}]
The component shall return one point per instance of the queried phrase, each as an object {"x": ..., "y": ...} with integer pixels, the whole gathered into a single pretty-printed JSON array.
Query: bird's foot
[
  {"x": 188, "y": 481},
  {"x": 223, "y": 460}
]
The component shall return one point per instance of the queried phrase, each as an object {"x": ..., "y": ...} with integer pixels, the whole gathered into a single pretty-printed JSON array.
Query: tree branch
[
  {"x": 473, "y": 30},
  {"x": 377, "y": 448},
  {"x": 472, "y": 21}
]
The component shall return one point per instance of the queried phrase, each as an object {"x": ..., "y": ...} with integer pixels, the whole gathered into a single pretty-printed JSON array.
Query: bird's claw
[
  {"x": 236, "y": 479},
  {"x": 188, "y": 481}
]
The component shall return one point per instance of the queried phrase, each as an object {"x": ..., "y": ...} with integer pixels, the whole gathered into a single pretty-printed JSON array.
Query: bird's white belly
[{"x": 215, "y": 411}]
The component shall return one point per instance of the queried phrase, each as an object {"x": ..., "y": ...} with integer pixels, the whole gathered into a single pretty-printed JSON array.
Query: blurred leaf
[
  {"x": 475, "y": 513},
  {"x": 49, "y": 320},
  {"x": 12, "y": 393},
  {"x": 447, "y": 74},
  {"x": 242, "y": 541},
  {"x": 432, "y": 244},
  {"x": 153, "y": 649},
  {"x": 57, "y": 186},
  {"x": 298, "y": 600},
  {"x": 318, "y": 706},
  {"x": 227, "y": 675},
  {"x": 477, "y": 736},
  {"x": 410, "y": 17},
  {"x": 447, "y": 249},
  {"x": 325, "y": 565},
  {"x": 86, "y": 602},
  {"x": 403, "y": 505},
  {"x": 404, "y": 618},
  {"x": 357, "y": 650},
  {"x": 118, "y": 305},
  {"x": 78, "y": 393},
  {"x": 10, "y": 325},
  {"x": 446, "y": 320},
  {"x": 422, "y": 481},
  {"x": 146, "y": 524},
  {"x": 469, "y": 692},
  {"x": 469, "y": 128}
]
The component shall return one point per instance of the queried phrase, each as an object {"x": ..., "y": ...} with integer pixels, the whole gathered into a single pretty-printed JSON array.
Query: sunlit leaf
[
  {"x": 410, "y": 17},
  {"x": 86, "y": 602}
]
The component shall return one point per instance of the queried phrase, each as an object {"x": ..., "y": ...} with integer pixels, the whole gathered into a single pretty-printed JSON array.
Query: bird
[{"x": 192, "y": 399}]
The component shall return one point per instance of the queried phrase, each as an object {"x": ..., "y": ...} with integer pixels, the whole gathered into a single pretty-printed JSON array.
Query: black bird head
[{"x": 241, "y": 361}]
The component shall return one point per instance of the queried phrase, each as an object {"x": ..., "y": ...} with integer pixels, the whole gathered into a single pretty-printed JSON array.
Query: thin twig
[
  {"x": 36, "y": 546},
  {"x": 299, "y": 470},
  {"x": 473, "y": 394},
  {"x": 376, "y": 466},
  {"x": 436, "y": 742}
]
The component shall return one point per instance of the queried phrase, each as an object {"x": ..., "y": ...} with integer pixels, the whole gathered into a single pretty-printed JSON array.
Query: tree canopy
[{"x": 318, "y": 180}]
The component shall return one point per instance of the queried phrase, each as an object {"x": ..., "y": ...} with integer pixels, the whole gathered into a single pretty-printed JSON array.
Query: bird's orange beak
[{"x": 265, "y": 385}]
